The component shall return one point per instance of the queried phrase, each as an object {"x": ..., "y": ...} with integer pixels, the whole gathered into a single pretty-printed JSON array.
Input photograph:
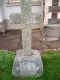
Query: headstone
[
  {"x": 52, "y": 19},
  {"x": 27, "y": 62}
]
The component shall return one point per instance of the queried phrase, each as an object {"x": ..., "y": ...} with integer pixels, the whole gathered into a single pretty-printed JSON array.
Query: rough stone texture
[
  {"x": 16, "y": 18},
  {"x": 28, "y": 65},
  {"x": 27, "y": 62},
  {"x": 26, "y": 22}
]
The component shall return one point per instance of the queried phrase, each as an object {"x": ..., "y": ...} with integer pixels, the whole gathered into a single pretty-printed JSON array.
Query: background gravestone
[
  {"x": 52, "y": 19},
  {"x": 27, "y": 61}
]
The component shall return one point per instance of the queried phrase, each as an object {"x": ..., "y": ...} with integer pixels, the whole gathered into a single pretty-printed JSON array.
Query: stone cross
[
  {"x": 26, "y": 12},
  {"x": 27, "y": 62}
]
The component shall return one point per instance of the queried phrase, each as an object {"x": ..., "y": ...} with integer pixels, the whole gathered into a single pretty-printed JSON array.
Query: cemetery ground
[
  {"x": 51, "y": 62},
  {"x": 12, "y": 40}
]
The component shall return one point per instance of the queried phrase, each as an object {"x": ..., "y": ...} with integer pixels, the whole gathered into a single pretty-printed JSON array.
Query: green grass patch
[{"x": 51, "y": 62}]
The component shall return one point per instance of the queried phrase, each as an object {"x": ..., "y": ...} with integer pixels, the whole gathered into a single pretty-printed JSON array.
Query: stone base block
[{"x": 27, "y": 64}]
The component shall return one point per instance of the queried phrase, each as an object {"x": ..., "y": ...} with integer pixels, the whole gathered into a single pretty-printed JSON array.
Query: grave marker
[{"x": 27, "y": 62}]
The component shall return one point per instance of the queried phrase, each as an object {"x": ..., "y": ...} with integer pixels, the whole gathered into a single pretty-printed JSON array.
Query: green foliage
[{"x": 51, "y": 61}]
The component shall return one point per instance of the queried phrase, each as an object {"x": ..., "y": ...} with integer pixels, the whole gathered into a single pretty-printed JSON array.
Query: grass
[{"x": 51, "y": 61}]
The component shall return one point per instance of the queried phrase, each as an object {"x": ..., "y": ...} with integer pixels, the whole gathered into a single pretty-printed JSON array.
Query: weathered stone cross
[
  {"x": 27, "y": 61},
  {"x": 26, "y": 15}
]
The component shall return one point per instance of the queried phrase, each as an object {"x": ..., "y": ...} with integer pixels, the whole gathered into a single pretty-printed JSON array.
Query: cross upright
[{"x": 26, "y": 12}]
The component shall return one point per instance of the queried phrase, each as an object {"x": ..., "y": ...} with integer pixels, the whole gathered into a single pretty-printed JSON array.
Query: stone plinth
[
  {"x": 27, "y": 65},
  {"x": 52, "y": 33}
]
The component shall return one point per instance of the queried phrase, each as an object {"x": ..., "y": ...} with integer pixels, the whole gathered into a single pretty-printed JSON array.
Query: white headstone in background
[{"x": 27, "y": 61}]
